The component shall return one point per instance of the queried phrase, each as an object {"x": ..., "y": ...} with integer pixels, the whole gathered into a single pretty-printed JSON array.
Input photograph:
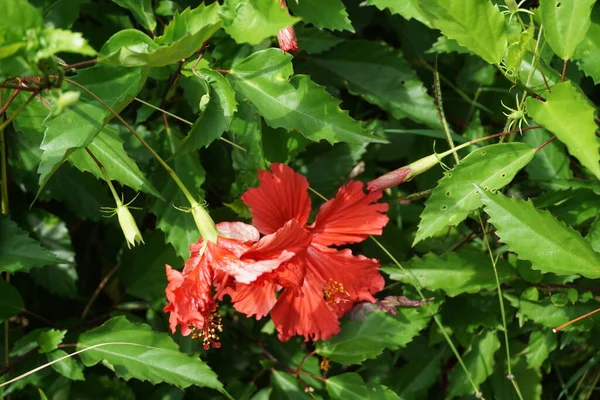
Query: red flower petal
[
  {"x": 291, "y": 237},
  {"x": 239, "y": 231},
  {"x": 345, "y": 278},
  {"x": 257, "y": 298},
  {"x": 281, "y": 196},
  {"x": 307, "y": 315},
  {"x": 349, "y": 217}
]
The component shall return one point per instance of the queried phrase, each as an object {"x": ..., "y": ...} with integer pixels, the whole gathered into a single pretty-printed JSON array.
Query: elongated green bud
[{"x": 404, "y": 174}]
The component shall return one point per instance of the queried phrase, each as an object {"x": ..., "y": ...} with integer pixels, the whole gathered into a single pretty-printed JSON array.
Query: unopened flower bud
[
  {"x": 287, "y": 39},
  {"x": 404, "y": 174},
  {"x": 205, "y": 224},
  {"x": 128, "y": 225}
]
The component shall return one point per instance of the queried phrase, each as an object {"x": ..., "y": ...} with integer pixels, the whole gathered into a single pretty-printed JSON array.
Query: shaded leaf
[
  {"x": 50, "y": 339},
  {"x": 315, "y": 41},
  {"x": 11, "y": 302},
  {"x": 408, "y": 9},
  {"x": 541, "y": 344},
  {"x": 19, "y": 252},
  {"x": 593, "y": 235},
  {"x": 587, "y": 54},
  {"x": 381, "y": 76},
  {"x": 565, "y": 24},
  {"x": 360, "y": 340},
  {"x": 475, "y": 24},
  {"x": 568, "y": 114},
  {"x": 479, "y": 360},
  {"x": 141, "y": 10},
  {"x": 150, "y": 356},
  {"x": 538, "y": 237},
  {"x": 347, "y": 386},
  {"x": 550, "y": 162},
  {"x": 577, "y": 206},
  {"x": 107, "y": 147},
  {"x": 454, "y": 197},
  {"x": 322, "y": 14},
  {"x": 68, "y": 367},
  {"x": 252, "y": 21},
  {"x": 454, "y": 273},
  {"x": 296, "y": 103}
]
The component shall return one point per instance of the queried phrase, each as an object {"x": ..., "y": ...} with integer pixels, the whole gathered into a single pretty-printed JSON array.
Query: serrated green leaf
[
  {"x": 107, "y": 147},
  {"x": 49, "y": 340},
  {"x": 329, "y": 14},
  {"x": 454, "y": 273},
  {"x": 408, "y": 9},
  {"x": 423, "y": 368},
  {"x": 152, "y": 356},
  {"x": 550, "y": 162},
  {"x": 576, "y": 206},
  {"x": 538, "y": 237},
  {"x": 314, "y": 41},
  {"x": 182, "y": 37},
  {"x": 252, "y": 21},
  {"x": 296, "y": 103},
  {"x": 565, "y": 24},
  {"x": 141, "y": 10},
  {"x": 216, "y": 116},
  {"x": 11, "y": 302},
  {"x": 178, "y": 226},
  {"x": 587, "y": 54},
  {"x": 380, "y": 75},
  {"x": 19, "y": 252},
  {"x": 451, "y": 201},
  {"x": 360, "y": 340},
  {"x": 347, "y": 386},
  {"x": 67, "y": 367},
  {"x": 568, "y": 114},
  {"x": 541, "y": 344},
  {"x": 77, "y": 126},
  {"x": 593, "y": 235},
  {"x": 479, "y": 361},
  {"x": 547, "y": 314},
  {"x": 143, "y": 268},
  {"x": 445, "y": 45},
  {"x": 60, "y": 40},
  {"x": 475, "y": 24}
]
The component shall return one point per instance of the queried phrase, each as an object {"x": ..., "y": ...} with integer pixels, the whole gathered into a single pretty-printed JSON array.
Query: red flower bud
[
  {"x": 391, "y": 179},
  {"x": 287, "y": 39}
]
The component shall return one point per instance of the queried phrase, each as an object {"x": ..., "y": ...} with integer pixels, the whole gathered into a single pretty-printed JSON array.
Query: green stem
[
  {"x": 502, "y": 312},
  {"x": 435, "y": 317},
  {"x": 106, "y": 177},
  {"x": 207, "y": 227},
  {"x": 437, "y": 90}
]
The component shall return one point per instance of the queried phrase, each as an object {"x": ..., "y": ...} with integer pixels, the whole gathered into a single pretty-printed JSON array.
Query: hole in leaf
[
  {"x": 402, "y": 82},
  {"x": 449, "y": 175},
  {"x": 558, "y": 5},
  {"x": 503, "y": 175},
  {"x": 448, "y": 194},
  {"x": 483, "y": 153},
  {"x": 486, "y": 188},
  {"x": 443, "y": 207}
]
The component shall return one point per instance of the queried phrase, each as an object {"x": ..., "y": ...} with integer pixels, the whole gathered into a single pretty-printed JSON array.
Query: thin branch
[
  {"x": 437, "y": 91},
  {"x": 80, "y": 64},
  {"x": 9, "y": 101},
  {"x": 564, "y": 71},
  {"x": 99, "y": 289},
  {"x": 541, "y": 146}
]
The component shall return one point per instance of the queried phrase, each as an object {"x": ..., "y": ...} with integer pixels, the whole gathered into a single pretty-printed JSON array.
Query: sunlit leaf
[
  {"x": 141, "y": 10},
  {"x": 565, "y": 24},
  {"x": 541, "y": 344},
  {"x": 550, "y": 162},
  {"x": 587, "y": 54},
  {"x": 408, "y": 9},
  {"x": 329, "y": 14}
]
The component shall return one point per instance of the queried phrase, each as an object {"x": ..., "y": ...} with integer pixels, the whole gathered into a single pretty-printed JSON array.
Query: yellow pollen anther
[
  {"x": 325, "y": 364},
  {"x": 209, "y": 336},
  {"x": 335, "y": 293}
]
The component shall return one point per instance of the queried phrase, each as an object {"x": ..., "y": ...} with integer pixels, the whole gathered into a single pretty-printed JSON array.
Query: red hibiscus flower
[
  {"x": 237, "y": 256},
  {"x": 322, "y": 283}
]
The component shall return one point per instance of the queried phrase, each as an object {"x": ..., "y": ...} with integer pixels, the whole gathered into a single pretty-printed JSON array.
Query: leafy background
[{"x": 485, "y": 253}]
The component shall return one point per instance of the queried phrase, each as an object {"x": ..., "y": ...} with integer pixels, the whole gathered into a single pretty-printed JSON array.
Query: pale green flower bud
[
  {"x": 128, "y": 225},
  {"x": 205, "y": 224}
]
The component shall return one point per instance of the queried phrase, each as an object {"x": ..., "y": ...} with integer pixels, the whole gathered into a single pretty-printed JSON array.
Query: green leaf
[
  {"x": 445, "y": 45},
  {"x": 60, "y": 40},
  {"x": 286, "y": 386},
  {"x": 179, "y": 227},
  {"x": 360, "y": 340},
  {"x": 565, "y": 24},
  {"x": 67, "y": 367},
  {"x": 587, "y": 54},
  {"x": 150, "y": 356},
  {"x": 314, "y": 41},
  {"x": 215, "y": 117},
  {"x": 347, "y": 386},
  {"x": 475, "y": 24},
  {"x": 60, "y": 13},
  {"x": 296, "y": 103},
  {"x": 107, "y": 147},
  {"x": 50, "y": 339},
  {"x": 380, "y": 75},
  {"x": 182, "y": 38},
  {"x": 568, "y": 114},
  {"x": 479, "y": 360},
  {"x": 547, "y": 314},
  {"x": 19, "y": 252},
  {"x": 11, "y": 302},
  {"x": 451, "y": 201},
  {"x": 141, "y": 10},
  {"x": 538, "y": 237},
  {"x": 252, "y": 21},
  {"x": 541, "y": 344},
  {"x": 77, "y": 126},
  {"x": 408, "y": 9},
  {"x": 576, "y": 206},
  {"x": 593, "y": 235},
  {"x": 454, "y": 273},
  {"x": 550, "y": 162},
  {"x": 329, "y": 14},
  {"x": 143, "y": 268}
]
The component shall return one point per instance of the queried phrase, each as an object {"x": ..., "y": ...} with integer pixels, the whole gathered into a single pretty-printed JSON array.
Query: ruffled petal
[
  {"x": 291, "y": 237},
  {"x": 307, "y": 315},
  {"x": 350, "y": 217},
  {"x": 239, "y": 231},
  {"x": 281, "y": 196},
  {"x": 345, "y": 278},
  {"x": 257, "y": 298},
  {"x": 190, "y": 299}
]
